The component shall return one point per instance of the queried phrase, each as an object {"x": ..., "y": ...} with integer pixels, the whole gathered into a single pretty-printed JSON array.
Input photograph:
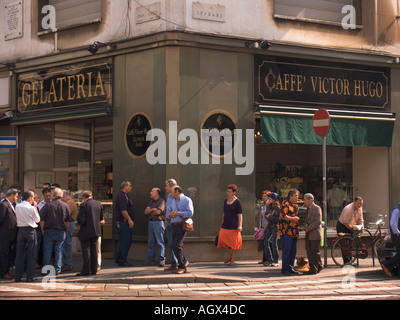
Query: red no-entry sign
[{"x": 321, "y": 122}]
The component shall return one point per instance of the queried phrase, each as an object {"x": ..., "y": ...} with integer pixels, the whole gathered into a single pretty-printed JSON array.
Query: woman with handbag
[{"x": 230, "y": 236}]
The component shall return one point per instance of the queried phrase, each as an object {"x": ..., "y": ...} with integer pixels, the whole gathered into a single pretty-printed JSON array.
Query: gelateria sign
[
  {"x": 67, "y": 87},
  {"x": 309, "y": 83}
]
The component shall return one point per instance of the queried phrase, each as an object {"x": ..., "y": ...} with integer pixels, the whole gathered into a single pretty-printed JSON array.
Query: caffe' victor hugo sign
[
  {"x": 310, "y": 83},
  {"x": 58, "y": 89}
]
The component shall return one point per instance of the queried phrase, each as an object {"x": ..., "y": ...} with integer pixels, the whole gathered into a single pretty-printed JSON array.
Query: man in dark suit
[
  {"x": 313, "y": 231},
  {"x": 8, "y": 233},
  {"x": 89, "y": 218}
]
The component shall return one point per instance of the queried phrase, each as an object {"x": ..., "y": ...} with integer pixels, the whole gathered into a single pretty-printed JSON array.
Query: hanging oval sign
[
  {"x": 136, "y": 130},
  {"x": 217, "y": 133}
]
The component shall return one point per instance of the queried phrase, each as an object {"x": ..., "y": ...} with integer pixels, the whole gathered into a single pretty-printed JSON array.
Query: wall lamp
[
  {"x": 261, "y": 44},
  {"x": 93, "y": 48}
]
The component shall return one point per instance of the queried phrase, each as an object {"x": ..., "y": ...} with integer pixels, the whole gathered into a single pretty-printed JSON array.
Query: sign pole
[
  {"x": 325, "y": 211},
  {"x": 321, "y": 126}
]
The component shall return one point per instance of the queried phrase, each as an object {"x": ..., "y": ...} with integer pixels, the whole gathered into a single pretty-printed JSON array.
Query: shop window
[
  {"x": 4, "y": 170},
  {"x": 317, "y": 11},
  {"x": 72, "y": 145},
  {"x": 38, "y": 147},
  {"x": 75, "y": 154},
  {"x": 103, "y": 167},
  {"x": 69, "y": 13},
  {"x": 280, "y": 167}
]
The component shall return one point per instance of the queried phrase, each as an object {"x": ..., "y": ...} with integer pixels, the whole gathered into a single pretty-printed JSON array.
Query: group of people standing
[
  {"x": 163, "y": 215},
  {"x": 282, "y": 219},
  {"x": 32, "y": 232}
]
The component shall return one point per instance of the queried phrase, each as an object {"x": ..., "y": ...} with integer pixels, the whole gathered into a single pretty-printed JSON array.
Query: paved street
[{"x": 211, "y": 281}]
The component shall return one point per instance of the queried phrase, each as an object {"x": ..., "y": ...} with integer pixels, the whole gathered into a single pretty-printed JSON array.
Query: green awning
[{"x": 295, "y": 127}]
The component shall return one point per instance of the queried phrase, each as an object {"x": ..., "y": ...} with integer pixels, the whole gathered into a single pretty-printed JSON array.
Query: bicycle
[{"x": 347, "y": 247}]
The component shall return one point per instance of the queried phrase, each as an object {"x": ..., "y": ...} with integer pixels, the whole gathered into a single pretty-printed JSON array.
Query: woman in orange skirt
[{"x": 230, "y": 236}]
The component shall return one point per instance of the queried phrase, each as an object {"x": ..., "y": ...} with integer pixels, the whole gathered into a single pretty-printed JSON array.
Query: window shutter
[
  {"x": 72, "y": 13},
  {"x": 323, "y": 10}
]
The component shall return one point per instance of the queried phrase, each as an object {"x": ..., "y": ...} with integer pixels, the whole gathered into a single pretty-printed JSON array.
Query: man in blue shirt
[
  {"x": 390, "y": 264},
  {"x": 184, "y": 209},
  {"x": 169, "y": 205},
  {"x": 124, "y": 216}
]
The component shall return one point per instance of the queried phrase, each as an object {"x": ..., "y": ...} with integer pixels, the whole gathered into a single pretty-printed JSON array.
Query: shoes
[
  {"x": 271, "y": 264},
  {"x": 290, "y": 273},
  {"x": 149, "y": 263},
  {"x": 186, "y": 263},
  {"x": 65, "y": 269},
  {"x": 30, "y": 280},
  {"x": 180, "y": 271},
  {"x": 162, "y": 264},
  {"x": 386, "y": 270},
  {"x": 83, "y": 274},
  {"x": 125, "y": 264},
  {"x": 171, "y": 268},
  {"x": 308, "y": 273},
  {"x": 7, "y": 277}
]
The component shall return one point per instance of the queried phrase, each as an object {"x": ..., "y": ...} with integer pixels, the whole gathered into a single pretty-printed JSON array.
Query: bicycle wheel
[
  {"x": 343, "y": 251},
  {"x": 377, "y": 243}
]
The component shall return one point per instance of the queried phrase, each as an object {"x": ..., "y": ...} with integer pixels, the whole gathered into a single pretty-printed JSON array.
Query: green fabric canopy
[{"x": 297, "y": 129}]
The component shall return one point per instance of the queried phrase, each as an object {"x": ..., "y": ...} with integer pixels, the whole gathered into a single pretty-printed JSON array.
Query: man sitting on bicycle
[{"x": 351, "y": 216}]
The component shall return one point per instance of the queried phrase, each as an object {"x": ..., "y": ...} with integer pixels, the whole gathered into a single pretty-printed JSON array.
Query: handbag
[
  {"x": 187, "y": 224},
  {"x": 259, "y": 234}
]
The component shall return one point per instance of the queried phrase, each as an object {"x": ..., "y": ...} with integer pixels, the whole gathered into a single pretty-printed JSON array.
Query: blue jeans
[
  {"x": 53, "y": 241},
  {"x": 124, "y": 241},
  {"x": 174, "y": 260},
  {"x": 289, "y": 250},
  {"x": 67, "y": 247},
  {"x": 156, "y": 236},
  {"x": 271, "y": 253},
  {"x": 26, "y": 247}
]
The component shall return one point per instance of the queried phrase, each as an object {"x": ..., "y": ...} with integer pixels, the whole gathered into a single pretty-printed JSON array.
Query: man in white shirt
[{"x": 27, "y": 221}]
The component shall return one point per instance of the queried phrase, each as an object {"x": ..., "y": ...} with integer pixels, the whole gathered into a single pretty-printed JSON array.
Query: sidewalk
[{"x": 206, "y": 272}]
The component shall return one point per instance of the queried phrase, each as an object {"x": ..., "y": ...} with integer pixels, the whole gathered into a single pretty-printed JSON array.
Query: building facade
[{"x": 82, "y": 116}]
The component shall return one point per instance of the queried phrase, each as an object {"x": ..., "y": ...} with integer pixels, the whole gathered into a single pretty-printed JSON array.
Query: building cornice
[{"x": 206, "y": 41}]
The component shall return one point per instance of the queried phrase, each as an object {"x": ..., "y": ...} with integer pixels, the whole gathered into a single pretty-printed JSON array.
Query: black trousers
[
  {"x": 7, "y": 256},
  {"x": 89, "y": 256},
  {"x": 178, "y": 235},
  {"x": 341, "y": 228},
  {"x": 395, "y": 260},
  {"x": 26, "y": 247},
  {"x": 313, "y": 255}
]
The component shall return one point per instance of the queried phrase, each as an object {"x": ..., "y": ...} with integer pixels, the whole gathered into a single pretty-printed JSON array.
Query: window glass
[
  {"x": 72, "y": 144},
  {"x": 318, "y": 10},
  {"x": 38, "y": 147},
  {"x": 69, "y": 13}
]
